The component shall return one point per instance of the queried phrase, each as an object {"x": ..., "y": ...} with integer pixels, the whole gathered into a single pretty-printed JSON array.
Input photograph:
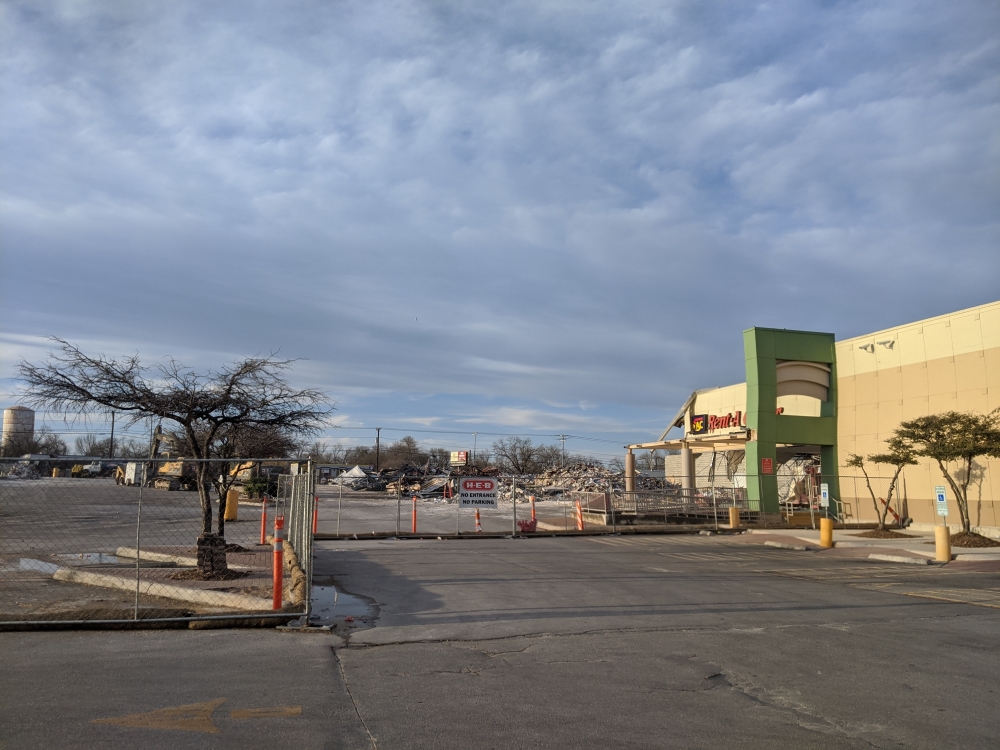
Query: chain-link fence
[
  {"x": 123, "y": 541},
  {"x": 526, "y": 505}
]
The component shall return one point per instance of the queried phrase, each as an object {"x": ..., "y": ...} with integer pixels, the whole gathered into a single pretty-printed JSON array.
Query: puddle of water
[
  {"x": 88, "y": 558},
  {"x": 26, "y": 563},
  {"x": 330, "y": 605}
]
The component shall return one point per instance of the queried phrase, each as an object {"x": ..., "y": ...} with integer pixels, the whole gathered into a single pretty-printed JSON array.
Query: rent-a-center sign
[
  {"x": 702, "y": 424},
  {"x": 477, "y": 492}
]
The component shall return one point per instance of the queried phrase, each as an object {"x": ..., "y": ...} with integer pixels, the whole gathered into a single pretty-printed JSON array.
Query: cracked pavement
[
  {"x": 679, "y": 641},
  {"x": 573, "y": 642}
]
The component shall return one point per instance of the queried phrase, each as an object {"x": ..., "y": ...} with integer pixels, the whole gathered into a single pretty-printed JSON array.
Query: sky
[{"x": 533, "y": 218}]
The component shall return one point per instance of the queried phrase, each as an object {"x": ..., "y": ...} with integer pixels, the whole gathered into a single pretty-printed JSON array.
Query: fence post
[
  {"x": 263, "y": 520},
  {"x": 307, "y": 563},
  {"x": 278, "y": 562},
  {"x": 138, "y": 545},
  {"x": 611, "y": 503},
  {"x": 715, "y": 503},
  {"x": 414, "y": 519},
  {"x": 513, "y": 499}
]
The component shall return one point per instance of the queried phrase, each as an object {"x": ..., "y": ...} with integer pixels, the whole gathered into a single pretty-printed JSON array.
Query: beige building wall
[
  {"x": 947, "y": 363},
  {"x": 733, "y": 398}
]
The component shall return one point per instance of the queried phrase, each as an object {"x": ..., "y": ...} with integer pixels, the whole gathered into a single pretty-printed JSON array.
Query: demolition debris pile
[
  {"x": 581, "y": 477},
  {"x": 21, "y": 471},
  {"x": 578, "y": 477},
  {"x": 588, "y": 477}
]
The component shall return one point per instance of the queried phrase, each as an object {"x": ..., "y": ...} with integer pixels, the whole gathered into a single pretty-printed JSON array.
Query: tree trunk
[
  {"x": 205, "y": 497},
  {"x": 211, "y": 548},
  {"x": 960, "y": 498}
]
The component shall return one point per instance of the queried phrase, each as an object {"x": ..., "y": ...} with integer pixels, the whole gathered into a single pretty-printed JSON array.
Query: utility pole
[
  {"x": 475, "y": 435},
  {"x": 378, "y": 435},
  {"x": 111, "y": 448},
  {"x": 563, "y": 438}
]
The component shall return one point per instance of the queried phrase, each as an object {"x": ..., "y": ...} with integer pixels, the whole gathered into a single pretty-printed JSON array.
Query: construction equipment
[{"x": 169, "y": 475}]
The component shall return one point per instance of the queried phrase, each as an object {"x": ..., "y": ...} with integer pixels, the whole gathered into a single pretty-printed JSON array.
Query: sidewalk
[{"x": 848, "y": 541}]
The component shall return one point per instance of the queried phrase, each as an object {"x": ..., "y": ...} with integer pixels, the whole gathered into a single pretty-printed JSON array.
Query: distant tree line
[
  {"x": 512, "y": 455},
  {"x": 43, "y": 442}
]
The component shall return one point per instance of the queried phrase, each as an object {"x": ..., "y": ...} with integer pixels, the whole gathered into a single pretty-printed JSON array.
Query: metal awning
[{"x": 729, "y": 441}]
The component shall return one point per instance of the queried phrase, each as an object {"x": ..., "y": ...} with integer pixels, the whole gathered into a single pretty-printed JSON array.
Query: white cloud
[{"x": 523, "y": 201}]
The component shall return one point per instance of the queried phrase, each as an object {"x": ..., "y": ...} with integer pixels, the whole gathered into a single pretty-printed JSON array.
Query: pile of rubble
[
  {"x": 580, "y": 477},
  {"x": 21, "y": 471}
]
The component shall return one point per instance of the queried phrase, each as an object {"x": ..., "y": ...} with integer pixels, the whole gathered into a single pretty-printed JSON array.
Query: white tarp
[{"x": 356, "y": 478}]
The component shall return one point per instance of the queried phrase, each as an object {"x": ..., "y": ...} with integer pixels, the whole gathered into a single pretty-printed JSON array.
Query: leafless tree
[
  {"x": 516, "y": 455},
  {"x": 44, "y": 442},
  {"x": 321, "y": 452},
  {"x": 251, "y": 393},
  {"x": 91, "y": 445}
]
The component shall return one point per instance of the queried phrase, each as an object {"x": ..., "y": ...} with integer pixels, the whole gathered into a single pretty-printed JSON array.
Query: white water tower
[{"x": 18, "y": 427}]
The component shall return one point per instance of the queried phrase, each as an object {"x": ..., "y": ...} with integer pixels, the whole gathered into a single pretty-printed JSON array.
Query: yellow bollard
[
  {"x": 942, "y": 544},
  {"x": 826, "y": 532},
  {"x": 233, "y": 505},
  {"x": 734, "y": 518}
]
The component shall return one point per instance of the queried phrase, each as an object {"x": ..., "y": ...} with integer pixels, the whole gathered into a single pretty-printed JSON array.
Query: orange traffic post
[
  {"x": 315, "y": 513},
  {"x": 533, "y": 519},
  {"x": 579, "y": 517},
  {"x": 263, "y": 521},
  {"x": 278, "y": 572},
  {"x": 479, "y": 526},
  {"x": 414, "y": 514}
]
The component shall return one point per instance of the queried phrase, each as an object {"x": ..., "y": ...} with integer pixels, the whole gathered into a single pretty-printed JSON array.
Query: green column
[{"x": 763, "y": 348}]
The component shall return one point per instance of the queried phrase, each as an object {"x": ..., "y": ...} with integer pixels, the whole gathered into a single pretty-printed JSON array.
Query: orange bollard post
[
  {"x": 479, "y": 526},
  {"x": 263, "y": 521},
  {"x": 414, "y": 524},
  {"x": 315, "y": 513},
  {"x": 579, "y": 517},
  {"x": 278, "y": 571},
  {"x": 533, "y": 519}
]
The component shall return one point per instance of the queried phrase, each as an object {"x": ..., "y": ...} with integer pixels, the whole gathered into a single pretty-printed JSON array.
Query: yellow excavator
[{"x": 168, "y": 475}]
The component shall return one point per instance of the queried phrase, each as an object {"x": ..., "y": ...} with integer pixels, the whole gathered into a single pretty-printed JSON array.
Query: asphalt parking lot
[{"x": 644, "y": 641}]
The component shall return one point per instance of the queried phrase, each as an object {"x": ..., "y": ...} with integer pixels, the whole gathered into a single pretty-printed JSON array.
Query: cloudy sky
[{"x": 535, "y": 218}]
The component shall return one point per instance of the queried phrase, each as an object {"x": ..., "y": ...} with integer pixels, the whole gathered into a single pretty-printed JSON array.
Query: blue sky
[{"x": 533, "y": 218}]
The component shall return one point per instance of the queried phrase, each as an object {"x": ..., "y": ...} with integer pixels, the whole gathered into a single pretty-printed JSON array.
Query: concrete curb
[
  {"x": 900, "y": 559},
  {"x": 189, "y": 562},
  {"x": 165, "y": 590},
  {"x": 796, "y": 547}
]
